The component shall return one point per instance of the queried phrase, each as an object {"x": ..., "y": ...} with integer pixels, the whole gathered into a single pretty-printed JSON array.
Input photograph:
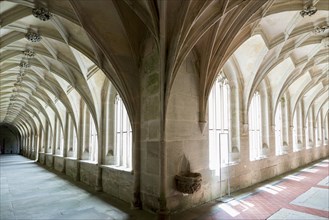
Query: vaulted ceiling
[{"x": 268, "y": 41}]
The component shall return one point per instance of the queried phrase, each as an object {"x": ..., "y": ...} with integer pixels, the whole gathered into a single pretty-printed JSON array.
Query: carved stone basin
[{"x": 188, "y": 183}]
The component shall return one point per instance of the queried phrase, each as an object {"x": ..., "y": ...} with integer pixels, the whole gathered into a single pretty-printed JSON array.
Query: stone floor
[{"x": 29, "y": 191}]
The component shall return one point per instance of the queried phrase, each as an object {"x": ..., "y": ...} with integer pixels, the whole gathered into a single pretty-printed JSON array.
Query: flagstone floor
[{"x": 29, "y": 191}]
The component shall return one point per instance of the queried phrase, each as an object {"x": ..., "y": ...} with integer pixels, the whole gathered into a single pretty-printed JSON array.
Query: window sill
[
  {"x": 259, "y": 158},
  {"x": 88, "y": 162},
  {"x": 233, "y": 163},
  {"x": 70, "y": 158},
  {"x": 282, "y": 154},
  {"x": 120, "y": 168}
]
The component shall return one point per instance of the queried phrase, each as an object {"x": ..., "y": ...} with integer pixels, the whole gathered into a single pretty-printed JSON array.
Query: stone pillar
[
  {"x": 70, "y": 135},
  {"x": 80, "y": 137},
  {"x": 42, "y": 137},
  {"x": 265, "y": 151},
  {"x": 54, "y": 137},
  {"x": 148, "y": 182},
  {"x": 311, "y": 126},
  {"x": 235, "y": 125},
  {"x": 101, "y": 145},
  {"x": 53, "y": 149},
  {"x": 66, "y": 139},
  {"x": 32, "y": 142},
  {"x": 285, "y": 128},
  {"x": 320, "y": 127},
  {"x": 36, "y": 144},
  {"x": 45, "y": 140},
  {"x": 109, "y": 140},
  {"x": 86, "y": 124},
  {"x": 290, "y": 125},
  {"x": 305, "y": 124},
  {"x": 299, "y": 128},
  {"x": 326, "y": 129}
]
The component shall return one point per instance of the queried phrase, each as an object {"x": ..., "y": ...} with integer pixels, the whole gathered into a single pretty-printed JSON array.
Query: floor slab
[
  {"x": 288, "y": 214},
  {"x": 316, "y": 198},
  {"x": 324, "y": 182}
]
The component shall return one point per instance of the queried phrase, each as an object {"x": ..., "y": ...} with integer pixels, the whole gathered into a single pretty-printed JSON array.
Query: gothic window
[
  {"x": 123, "y": 135},
  {"x": 219, "y": 124},
  {"x": 255, "y": 135},
  {"x": 93, "y": 141}
]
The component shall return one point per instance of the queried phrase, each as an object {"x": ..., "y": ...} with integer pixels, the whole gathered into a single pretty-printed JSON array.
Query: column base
[
  {"x": 164, "y": 214},
  {"x": 136, "y": 203},
  {"x": 98, "y": 188}
]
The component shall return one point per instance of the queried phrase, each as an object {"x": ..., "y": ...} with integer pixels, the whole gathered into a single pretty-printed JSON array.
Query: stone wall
[
  {"x": 59, "y": 163},
  {"x": 150, "y": 127},
  {"x": 117, "y": 183},
  {"x": 184, "y": 140},
  {"x": 88, "y": 173},
  {"x": 244, "y": 175},
  {"x": 49, "y": 160},
  {"x": 71, "y": 167},
  {"x": 42, "y": 158}
]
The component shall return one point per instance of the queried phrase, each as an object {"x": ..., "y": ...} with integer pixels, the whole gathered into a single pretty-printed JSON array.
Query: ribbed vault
[
  {"x": 59, "y": 58},
  {"x": 77, "y": 39}
]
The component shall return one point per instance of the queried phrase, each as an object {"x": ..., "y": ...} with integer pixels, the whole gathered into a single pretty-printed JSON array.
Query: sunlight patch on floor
[
  {"x": 324, "y": 182},
  {"x": 295, "y": 178},
  {"x": 229, "y": 210},
  {"x": 310, "y": 170},
  {"x": 288, "y": 214}
]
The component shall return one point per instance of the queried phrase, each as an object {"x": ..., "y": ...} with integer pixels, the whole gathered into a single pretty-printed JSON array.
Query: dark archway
[{"x": 9, "y": 139}]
